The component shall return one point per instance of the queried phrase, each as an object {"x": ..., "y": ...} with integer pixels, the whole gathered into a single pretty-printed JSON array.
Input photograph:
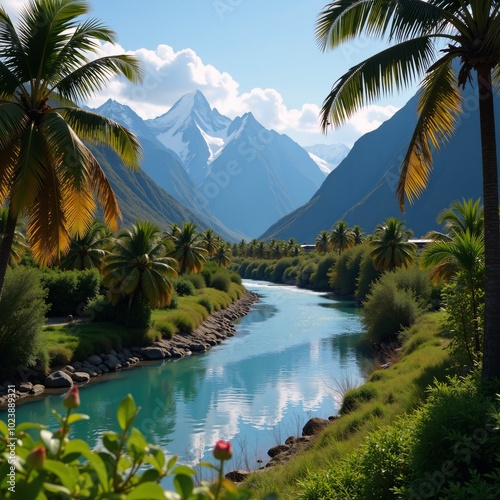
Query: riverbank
[{"x": 31, "y": 383}]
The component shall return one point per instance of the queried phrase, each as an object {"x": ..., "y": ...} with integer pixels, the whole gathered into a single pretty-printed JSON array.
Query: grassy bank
[
  {"x": 76, "y": 341},
  {"x": 387, "y": 394}
]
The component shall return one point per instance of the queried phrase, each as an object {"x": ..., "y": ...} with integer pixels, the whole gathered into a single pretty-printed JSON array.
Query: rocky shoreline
[{"x": 31, "y": 383}]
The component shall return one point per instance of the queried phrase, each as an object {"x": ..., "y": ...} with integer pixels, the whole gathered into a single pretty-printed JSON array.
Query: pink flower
[
  {"x": 72, "y": 398},
  {"x": 223, "y": 450},
  {"x": 36, "y": 457}
]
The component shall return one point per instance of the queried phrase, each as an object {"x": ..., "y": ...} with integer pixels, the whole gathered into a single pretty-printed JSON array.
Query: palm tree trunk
[
  {"x": 491, "y": 348},
  {"x": 6, "y": 247}
]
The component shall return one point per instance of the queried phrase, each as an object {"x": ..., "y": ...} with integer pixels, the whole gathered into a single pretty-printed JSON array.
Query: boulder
[
  {"x": 58, "y": 380},
  {"x": 237, "y": 476},
  {"x": 314, "y": 425},
  {"x": 25, "y": 387},
  {"x": 153, "y": 353},
  {"x": 276, "y": 450},
  {"x": 95, "y": 360},
  {"x": 37, "y": 389},
  {"x": 103, "y": 368},
  {"x": 112, "y": 362},
  {"x": 80, "y": 377}
]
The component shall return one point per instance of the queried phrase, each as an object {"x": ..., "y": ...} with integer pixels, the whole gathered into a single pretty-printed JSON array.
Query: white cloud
[{"x": 371, "y": 117}]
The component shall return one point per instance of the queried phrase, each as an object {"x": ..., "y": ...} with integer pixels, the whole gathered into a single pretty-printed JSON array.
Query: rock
[
  {"x": 58, "y": 379},
  {"x": 314, "y": 425},
  {"x": 80, "y": 377},
  {"x": 69, "y": 318},
  {"x": 112, "y": 362},
  {"x": 276, "y": 450},
  {"x": 153, "y": 353},
  {"x": 76, "y": 365},
  {"x": 237, "y": 476},
  {"x": 198, "y": 347},
  {"x": 91, "y": 372},
  {"x": 127, "y": 353},
  {"x": 113, "y": 353},
  {"x": 95, "y": 360},
  {"x": 90, "y": 367},
  {"x": 69, "y": 369},
  {"x": 37, "y": 389},
  {"x": 25, "y": 387},
  {"x": 103, "y": 368}
]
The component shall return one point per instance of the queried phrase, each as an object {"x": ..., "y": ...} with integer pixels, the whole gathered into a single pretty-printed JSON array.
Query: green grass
[
  {"x": 386, "y": 395},
  {"x": 75, "y": 342}
]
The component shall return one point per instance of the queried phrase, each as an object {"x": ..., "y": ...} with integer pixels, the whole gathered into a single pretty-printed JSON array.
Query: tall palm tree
[
  {"x": 87, "y": 251},
  {"x": 391, "y": 247},
  {"x": 260, "y": 250},
  {"x": 19, "y": 246},
  {"x": 418, "y": 30},
  {"x": 210, "y": 241},
  {"x": 188, "y": 249},
  {"x": 137, "y": 266},
  {"x": 358, "y": 235},
  {"x": 47, "y": 173},
  {"x": 322, "y": 242},
  {"x": 222, "y": 256},
  {"x": 341, "y": 237}
]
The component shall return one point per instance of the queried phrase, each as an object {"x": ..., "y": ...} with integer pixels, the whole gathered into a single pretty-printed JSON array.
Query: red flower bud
[
  {"x": 36, "y": 458},
  {"x": 223, "y": 450},
  {"x": 72, "y": 398}
]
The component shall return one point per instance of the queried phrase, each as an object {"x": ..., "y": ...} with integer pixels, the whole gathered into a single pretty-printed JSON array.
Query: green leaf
[
  {"x": 151, "y": 491},
  {"x": 76, "y": 417},
  {"x": 57, "y": 488},
  {"x": 59, "y": 417},
  {"x": 172, "y": 462},
  {"x": 110, "y": 440},
  {"x": 209, "y": 465},
  {"x": 184, "y": 485},
  {"x": 149, "y": 475},
  {"x": 137, "y": 445},
  {"x": 28, "y": 425},
  {"x": 126, "y": 412},
  {"x": 184, "y": 470},
  {"x": 63, "y": 472},
  {"x": 3, "y": 428},
  {"x": 94, "y": 460}
]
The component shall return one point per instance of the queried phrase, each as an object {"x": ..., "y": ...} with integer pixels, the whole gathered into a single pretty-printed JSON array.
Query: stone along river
[{"x": 284, "y": 365}]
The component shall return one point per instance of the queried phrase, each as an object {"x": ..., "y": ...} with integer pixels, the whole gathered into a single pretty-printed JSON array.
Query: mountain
[
  {"x": 194, "y": 131},
  {"x": 247, "y": 176},
  {"x": 361, "y": 190},
  {"x": 162, "y": 167},
  {"x": 258, "y": 176},
  {"x": 327, "y": 156}
]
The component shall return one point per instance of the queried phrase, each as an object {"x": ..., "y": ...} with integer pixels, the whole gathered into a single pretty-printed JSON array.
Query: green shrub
[
  {"x": 59, "y": 355},
  {"x": 388, "y": 309},
  {"x": 183, "y": 321},
  {"x": 166, "y": 328},
  {"x": 290, "y": 275},
  {"x": 22, "y": 314},
  {"x": 345, "y": 274},
  {"x": 306, "y": 270},
  {"x": 235, "y": 278},
  {"x": 320, "y": 278},
  {"x": 184, "y": 287},
  {"x": 279, "y": 268},
  {"x": 353, "y": 397},
  {"x": 69, "y": 291},
  {"x": 196, "y": 279},
  {"x": 260, "y": 272},
  {"x": 242, "y": 268},
  {"x": 137, "y": 314},
  {"x": 206, "y": 303},
  {"x": 221, "y": 281},
  {"x": 207, "y": 277},
  {"x": 368, "y": 275}
]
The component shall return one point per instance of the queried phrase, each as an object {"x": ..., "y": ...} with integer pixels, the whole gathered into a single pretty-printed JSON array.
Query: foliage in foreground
[{"x": 55, "y": 466}]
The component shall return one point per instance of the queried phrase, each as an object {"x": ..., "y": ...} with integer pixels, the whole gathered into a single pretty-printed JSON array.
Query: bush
[
  {"x": 306, "y": 270},
  {"x": 137, "y": 314},
  {"x": 183, "y": 322},
  {"x": 184, "y": 287},
  {"x": 353, "y": 398},
  {"x": 166, "y": 328},
  {"x": 320, "y": 277},
  {"x": 221, "y": 281},
  {"x": 69, "y": 291},
  {"x": 279, "y": 268},
  {"x": 367, "y": 276},
  {"x": 22, "y": 314},
  {"x": 290, "y": 275},
  {"x": 196, "y": 279},
  {"x": 235, "y": 278},
  {"x": 345, "y": 275},
  {"x": 60, "y": 356},
  {"x": 207, "y": 304}
]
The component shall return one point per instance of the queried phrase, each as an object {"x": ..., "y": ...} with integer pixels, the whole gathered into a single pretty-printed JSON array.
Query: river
[{"x": 285, "y": 364}]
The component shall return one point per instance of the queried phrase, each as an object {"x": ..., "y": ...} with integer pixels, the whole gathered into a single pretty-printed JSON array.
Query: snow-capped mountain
[
  {"x": 258, "y": 177},
  {"x": 327, "y": 156},
  {"x": 194, "y": 131}
]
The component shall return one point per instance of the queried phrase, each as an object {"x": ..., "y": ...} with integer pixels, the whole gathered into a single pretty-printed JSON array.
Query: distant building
[{"x": 421, "y": 244}]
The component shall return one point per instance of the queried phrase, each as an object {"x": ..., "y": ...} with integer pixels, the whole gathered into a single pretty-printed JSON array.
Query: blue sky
[{"x": 244, "y": 55}]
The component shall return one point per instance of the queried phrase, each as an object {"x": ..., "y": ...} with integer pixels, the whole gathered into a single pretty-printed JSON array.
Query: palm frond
[
  {"x": 13, "y": 121},
  {"x": 392, "y": 69},
  {"x": 86, "y": 80},
  {"x": 9, "y": 82},
  {"x": 79, "y": 208},
  {"x": 440, "y": 104},
  {"x": 103, "y": 131}
]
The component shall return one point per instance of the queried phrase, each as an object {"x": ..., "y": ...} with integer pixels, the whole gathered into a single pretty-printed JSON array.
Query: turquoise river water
[{"x": 285, "y": 364}]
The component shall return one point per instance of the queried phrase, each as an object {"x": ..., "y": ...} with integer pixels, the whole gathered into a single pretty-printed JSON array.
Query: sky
[{"x": 244, "y": 55}]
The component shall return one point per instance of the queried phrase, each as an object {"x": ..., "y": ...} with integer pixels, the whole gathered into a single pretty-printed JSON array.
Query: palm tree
[
  {"x": 322, "y": 242},
  {"x": 222, "y": 256},
  {"x": 358, "y": 235},
  {"x": 260, "y": 250},
  {"x": 188, "y": 249},
  {"x": 47, "y": 172},
  {"x": 289, "y": 245},
  {"x": 19, "y": 246},
  {"x": 391, "y": 247},
  {"x": 87, "y": 252},
  {"x": 419, "y": 29},
  {"x": 341, "y": 237},
  {"x": 137, "y": 266},
  {"x": 210, "y": 241}
]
